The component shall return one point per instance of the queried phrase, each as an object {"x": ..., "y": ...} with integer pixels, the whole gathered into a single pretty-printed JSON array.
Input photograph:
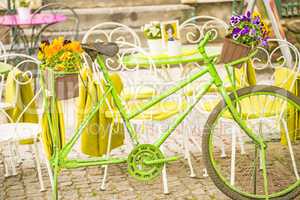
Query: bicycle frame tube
[
  {"x": 168, "y": 93},
  {"x": 236, "y": 115},
  {"x": 181, "y": 117},
  {"x": 216, "y": 80},
  {"x": 68, "y": 147},
  {"x": 127, "y": 117}
]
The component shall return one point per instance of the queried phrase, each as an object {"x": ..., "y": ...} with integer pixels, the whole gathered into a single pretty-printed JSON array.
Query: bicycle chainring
[{"x": 136, "y": 166}]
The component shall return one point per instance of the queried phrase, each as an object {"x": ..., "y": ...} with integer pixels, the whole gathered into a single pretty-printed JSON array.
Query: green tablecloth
[
  {"x": 189, "y": 54},
  {"x": 5, "y": 68}
]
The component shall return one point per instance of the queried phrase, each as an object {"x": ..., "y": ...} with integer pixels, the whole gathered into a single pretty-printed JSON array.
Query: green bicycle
[{"x": 267, "y": 171}]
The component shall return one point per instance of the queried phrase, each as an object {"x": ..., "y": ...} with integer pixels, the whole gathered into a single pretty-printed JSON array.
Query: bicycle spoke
[{"x": 264, "y": 171}]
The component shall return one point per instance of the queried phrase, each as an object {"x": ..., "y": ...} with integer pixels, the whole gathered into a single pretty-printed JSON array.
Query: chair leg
[
  {"x": 102, "y": 187},
  {"x": 165, "y": 177},
  {"x": 165, "y": 180},
  {"x": 241, "y": 142},
  {"x": 222, "y": 133},
  {"x": 287, "y": 136},
  {"x": 38, "y": 165},
  {"x": 187, "y": 154},
  {"x": 12, "y": 159},
  {"x": 233, "y": 155},
  {"x": 6, "y": 174},
  {"x": 17, "y": 153},
  {"x": 50, "y": 173},
  {"x": 6, "y": 171}
]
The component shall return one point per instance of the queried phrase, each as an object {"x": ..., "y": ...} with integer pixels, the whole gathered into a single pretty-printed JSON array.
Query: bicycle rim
[{"x": 234, "y": 161}]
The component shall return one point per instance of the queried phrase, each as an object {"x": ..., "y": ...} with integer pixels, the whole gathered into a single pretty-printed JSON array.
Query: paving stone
[{"x": 84, "y": 184}]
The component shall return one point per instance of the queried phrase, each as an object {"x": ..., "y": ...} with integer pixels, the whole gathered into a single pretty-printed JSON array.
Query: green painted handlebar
[{"x": 204, "y": 41}]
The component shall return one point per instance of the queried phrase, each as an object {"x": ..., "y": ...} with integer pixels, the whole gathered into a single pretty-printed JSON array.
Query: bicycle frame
[{"x": 59, "y": 158}]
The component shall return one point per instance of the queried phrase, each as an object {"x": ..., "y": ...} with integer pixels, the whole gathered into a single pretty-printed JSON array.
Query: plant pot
[
  {"x": 232, "y": 51},
  {"x": 174, "y": 48},
  {"x": 66, "y": 85},
  {"x": 155, "y": 46},
  {"x": 24, "y": 14}
]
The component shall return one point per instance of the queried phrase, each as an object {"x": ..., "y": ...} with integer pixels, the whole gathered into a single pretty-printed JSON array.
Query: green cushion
[{"x": 188, "y": 54}]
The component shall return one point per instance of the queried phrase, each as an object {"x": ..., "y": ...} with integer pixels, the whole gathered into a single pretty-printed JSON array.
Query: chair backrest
[
  {"x": 112, "y": 32},
  {"x": 274, "y": 68},
  {"x": 122, "y": 35},
  {"x": 193, "y": 30},
  {"x": 133, "y": 74},
  {"x": 19, "y": 87},
  {"x": 129, "y": 44},
  {"x": 69, "y": 28}
]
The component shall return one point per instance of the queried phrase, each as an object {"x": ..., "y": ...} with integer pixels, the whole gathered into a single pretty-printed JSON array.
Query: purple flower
[
  {"x": 235, "y": 36},
  {"x": 248, "y": 14},
  {"x": 264, "y": 41},
  {"x": 236, "y": 30},
  {"x": 245, "y": 30},
  {"x": 234, "y": 20},
  {"x": 256, "y": 21},
  {"x": 247, "y": 17},
  {"x": 253, "y": 32}
]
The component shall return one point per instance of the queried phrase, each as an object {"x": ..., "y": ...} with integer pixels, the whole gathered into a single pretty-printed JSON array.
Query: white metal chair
[
  {"x": 126, "y": 73},
  {"x": 192, "y": 31},
  {"x": 278, "y": 72},
  {"x": 15, "y": 131}
]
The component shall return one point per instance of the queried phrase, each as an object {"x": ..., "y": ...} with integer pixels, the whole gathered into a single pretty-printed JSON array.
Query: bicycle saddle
[{"x": 104, "y": 48}]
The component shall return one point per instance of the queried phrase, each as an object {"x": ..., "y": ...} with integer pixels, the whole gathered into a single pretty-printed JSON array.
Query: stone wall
[{"x": 292, "y": 30}]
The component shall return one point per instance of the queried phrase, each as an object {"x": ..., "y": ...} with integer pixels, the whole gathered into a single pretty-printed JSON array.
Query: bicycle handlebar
[{"x": 203, "y": 42}]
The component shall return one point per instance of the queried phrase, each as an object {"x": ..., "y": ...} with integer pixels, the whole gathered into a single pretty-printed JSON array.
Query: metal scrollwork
[
  {"x": 110, "y": 32},
  {"x": 196, "y": 31}
]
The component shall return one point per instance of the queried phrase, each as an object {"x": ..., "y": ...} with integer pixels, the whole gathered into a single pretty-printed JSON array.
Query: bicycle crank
[{"x": 145, "y": 162}]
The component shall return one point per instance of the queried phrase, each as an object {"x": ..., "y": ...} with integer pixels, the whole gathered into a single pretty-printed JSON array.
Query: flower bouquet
[
  {"x": 61, "y": 62},
  {"x": 245, "y": 33},
  {"x": 152, "y": 33}
]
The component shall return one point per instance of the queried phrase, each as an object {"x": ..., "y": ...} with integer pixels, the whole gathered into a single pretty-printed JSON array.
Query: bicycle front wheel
[{"x": 234, "y": 161}]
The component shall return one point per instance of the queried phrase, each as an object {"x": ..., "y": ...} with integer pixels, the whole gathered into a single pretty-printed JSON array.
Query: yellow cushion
[
  {"x": 252, "y": 107},
  {"x": 159, "y": 112},
  {"x": 285, "y": 78},
  {"x": 142, "y": 92}
]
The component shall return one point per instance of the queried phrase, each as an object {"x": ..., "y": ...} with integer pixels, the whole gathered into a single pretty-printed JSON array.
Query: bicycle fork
[{"x": 258, "y": 140}]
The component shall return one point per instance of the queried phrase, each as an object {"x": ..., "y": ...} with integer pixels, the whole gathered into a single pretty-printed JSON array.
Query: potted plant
[
  {"x": 61, "y": 62},
  {"x": 152, "y": 33},
  {"x": 245, "y": 33},
  {"x": 24, "y": 11}
]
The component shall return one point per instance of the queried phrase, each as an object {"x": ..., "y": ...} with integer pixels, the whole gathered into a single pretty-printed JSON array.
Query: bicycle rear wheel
[{"x": 273, "y": 113}]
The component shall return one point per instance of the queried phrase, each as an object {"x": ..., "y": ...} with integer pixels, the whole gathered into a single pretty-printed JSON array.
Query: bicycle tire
[{"x": 224, "y": 187}]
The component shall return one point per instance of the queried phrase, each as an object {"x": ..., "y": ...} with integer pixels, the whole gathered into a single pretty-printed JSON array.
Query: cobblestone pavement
[{"x": 85, "y": 184}]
